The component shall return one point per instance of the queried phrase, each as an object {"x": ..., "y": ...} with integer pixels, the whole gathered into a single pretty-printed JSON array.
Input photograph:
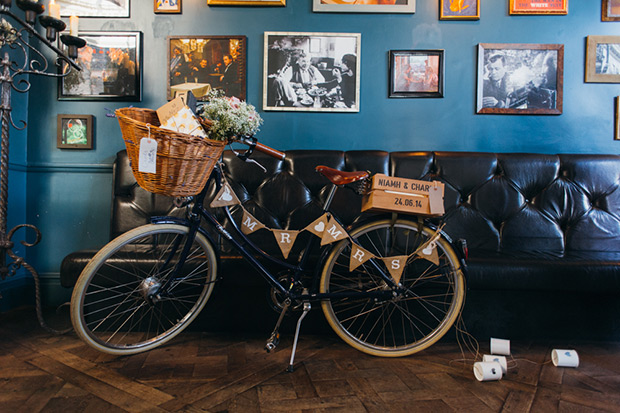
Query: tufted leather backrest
[{"x": 497, "y": 202}]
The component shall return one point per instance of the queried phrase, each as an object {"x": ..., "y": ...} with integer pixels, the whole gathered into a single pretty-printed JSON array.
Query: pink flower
[{"x": 234, "y": 102}]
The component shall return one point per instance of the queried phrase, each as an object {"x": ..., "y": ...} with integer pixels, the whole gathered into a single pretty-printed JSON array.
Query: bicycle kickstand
[
  {"x": 307, "y": 308},
  {"x": 274, "y": 339}
]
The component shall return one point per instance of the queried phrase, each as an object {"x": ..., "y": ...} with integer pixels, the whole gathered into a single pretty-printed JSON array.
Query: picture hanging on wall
[
  {"x": 416, "y": 73},
  {"x": 610, "y": 11},
  {"x": 317, "y": 72},
  {"x": 74, "y": 131},
  {"x": 364, "y": 6},
  {"x": 111, "y": 65},
  {"x": 459, "y": 9},
  {"x": 520, "y": 79},
  {"x": 617, "y": 122},
  {"x": 538, "y": 6},
  {"x": 167, "y": 6},
  {"x": 97, "y": 8},
  {"x": 603, "y": 59},
  {"x": 246, "y": 2},
  {"x": 203, "y": 63}
]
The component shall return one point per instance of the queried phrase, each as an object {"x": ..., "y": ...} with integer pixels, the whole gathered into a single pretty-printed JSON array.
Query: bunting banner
[
  {"x": 285, "y": 240},
  {"x": 226, "y": 197},
  {"x": 249, "y": 224},
  {"x": 329, "y": 230},
  {"x": 358, "y": 256},
  {"x": 429, "y": 252},
  {"x": 333, "y": 232},
  {"x": 318, "y": 226},
  {"x": 396, "y": 265}
]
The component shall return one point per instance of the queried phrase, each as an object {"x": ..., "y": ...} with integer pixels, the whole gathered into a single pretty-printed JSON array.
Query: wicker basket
[{"x": 184, "y": 162}]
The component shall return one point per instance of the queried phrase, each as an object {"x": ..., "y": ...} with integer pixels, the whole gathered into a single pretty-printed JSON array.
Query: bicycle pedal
[{"x": 272, "y": 343}]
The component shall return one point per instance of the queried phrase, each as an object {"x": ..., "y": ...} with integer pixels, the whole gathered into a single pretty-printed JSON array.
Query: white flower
[{"x": 230, "y": 117}]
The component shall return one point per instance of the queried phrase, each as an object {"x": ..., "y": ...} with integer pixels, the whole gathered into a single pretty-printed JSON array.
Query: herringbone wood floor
[{"x": 208, "y": 372}]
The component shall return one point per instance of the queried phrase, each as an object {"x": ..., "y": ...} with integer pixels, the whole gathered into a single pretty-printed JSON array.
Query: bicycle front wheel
[
  {"x": 129, "y": 299},
  {"x": 408, "y": 319}
]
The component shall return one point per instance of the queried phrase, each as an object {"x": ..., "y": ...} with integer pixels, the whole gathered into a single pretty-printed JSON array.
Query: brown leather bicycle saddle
[{"x": 341, "y": 177}]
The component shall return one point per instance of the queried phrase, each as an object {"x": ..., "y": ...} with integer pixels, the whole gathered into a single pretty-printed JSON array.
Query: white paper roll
[
  {"x": 487, "y": 371},
  {"x": 564, "y": 358},
  {"x": 498, "y": 359},
  {"x": 500, "y": 346}
]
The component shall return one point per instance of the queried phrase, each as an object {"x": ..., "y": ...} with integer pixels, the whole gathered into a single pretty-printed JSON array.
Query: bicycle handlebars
[{"x": 253, "y": 144}]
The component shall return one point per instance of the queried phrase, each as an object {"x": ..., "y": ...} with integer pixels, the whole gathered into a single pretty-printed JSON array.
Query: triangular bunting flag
[
  {"x": 333, "y": 232},
  {"x": 429, "y": 252},
  {"x": 396, "y": 265},
  {"x": 249, "y": 224},
  {"x": 226, "y": 197},
  {"x": 318, "y": 226},
  {"x": 358, "y": 256},
  {"x": 285, "y": 240}
]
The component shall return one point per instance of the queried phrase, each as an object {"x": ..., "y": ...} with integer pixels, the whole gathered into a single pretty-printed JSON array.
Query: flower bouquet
[{"x": 229, "y": 117}]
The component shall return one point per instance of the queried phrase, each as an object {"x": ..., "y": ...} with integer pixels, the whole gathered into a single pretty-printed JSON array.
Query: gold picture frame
[
  {"x": 610, "y": 11},
  {"x": 369, "y": 6},
  {"x": 167, "y": 6},
  {"x": 246, "y": 2},
  {"x": 538, "y": 7},
  {"x": 603, "y": 59},
  {"x": 459, "y": 9}
]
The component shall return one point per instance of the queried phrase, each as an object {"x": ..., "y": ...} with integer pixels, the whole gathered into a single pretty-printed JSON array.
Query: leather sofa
[{"x": 543, "y": 231}]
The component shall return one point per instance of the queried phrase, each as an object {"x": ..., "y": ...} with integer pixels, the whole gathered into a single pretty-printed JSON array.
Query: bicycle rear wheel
[
  {"x": 119, "y": 305},
  {"x": 405, "y": 321}
]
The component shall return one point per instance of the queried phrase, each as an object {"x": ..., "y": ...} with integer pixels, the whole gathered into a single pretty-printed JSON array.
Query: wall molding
[{"x": 53, "y": 167}]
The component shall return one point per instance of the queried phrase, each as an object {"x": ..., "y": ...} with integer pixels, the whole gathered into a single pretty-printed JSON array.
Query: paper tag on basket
[
  {"x": 435, "y": 197},
  {"x": 147, "y": 159}
]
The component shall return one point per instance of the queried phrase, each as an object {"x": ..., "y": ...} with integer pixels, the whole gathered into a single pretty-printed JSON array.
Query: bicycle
[{"x": 147, "y": 285}]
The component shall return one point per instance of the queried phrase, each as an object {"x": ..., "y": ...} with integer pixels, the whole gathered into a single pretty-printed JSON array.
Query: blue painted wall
[{"x": 68, "y": 192}]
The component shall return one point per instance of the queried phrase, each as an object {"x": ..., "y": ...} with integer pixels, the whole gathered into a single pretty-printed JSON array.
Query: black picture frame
[
  {"x": 416, "y": 74},
  {"x": 186, "y": 70},
  {"x": 74, "y": 131},
  {"x": 111, "y": 65},
  {"x": 520, "y": 79}
]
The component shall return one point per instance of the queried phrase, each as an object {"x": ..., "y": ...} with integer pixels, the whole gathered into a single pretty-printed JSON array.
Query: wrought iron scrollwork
[{"x": 26, "y": 59}]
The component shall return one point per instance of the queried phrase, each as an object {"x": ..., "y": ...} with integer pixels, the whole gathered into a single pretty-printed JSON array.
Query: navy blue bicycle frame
[{"x": 247, "y": 248}]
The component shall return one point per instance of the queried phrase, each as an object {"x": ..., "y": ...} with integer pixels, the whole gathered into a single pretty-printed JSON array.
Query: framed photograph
[
  {"x": 538, "y": 6},
  {"x": 459, "y": 9},
  {"x": 204, "y": 63},
  {"x": 364, "y": 6},
  {"x": 610, "y": 11},
  {"x": 315, "y": 72},
  {"x": 111, "y": 65},
  {"x": 522, "y": 79},
  {"x": 246, "y": 2},
  {"x": 74, "y": 132},
  {"x": 617, "y": 119},
  {"x": 416, "y": 73},
  {"x": 167, "y": 6},
  {"x": 603, "y": 59},
  {"x": 94, "y": 8}
]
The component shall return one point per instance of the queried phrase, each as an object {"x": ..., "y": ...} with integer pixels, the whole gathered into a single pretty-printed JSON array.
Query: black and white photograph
[
  {"x": 603, "y": 59},
  {"x": 111, "y": 65},
  {"x": 316, "y": 72},
  {"x": 94, "y": 8},
  {"x": 201, "y": 64},
  {"x": 520, "y": 78}
]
